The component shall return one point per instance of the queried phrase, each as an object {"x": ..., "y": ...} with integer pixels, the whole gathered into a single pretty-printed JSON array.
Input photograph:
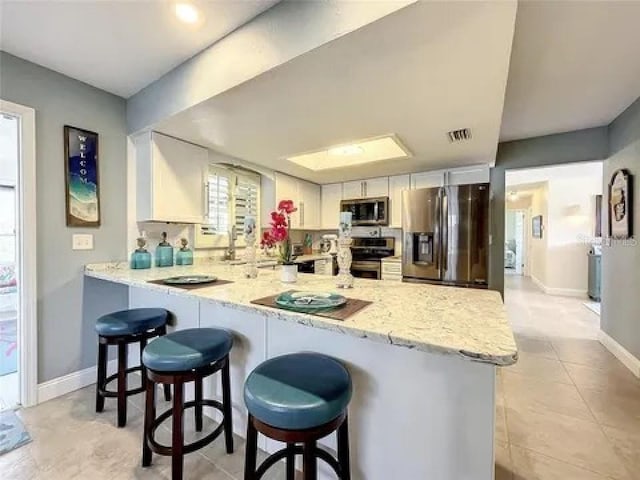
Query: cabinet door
[
  {"x": 396, "y": 185},
  {"x": 331, "y": 197},
  {"x": 353, "y": 190},
  {"x": 468, "y": 175},
  {"x": 178, "y": 173},
  {"x": 287, "y": 189},
  {"x": 428, "y": 179},
  {"x": 376, "y": 187},
  {"x": 310, "y": 208}
]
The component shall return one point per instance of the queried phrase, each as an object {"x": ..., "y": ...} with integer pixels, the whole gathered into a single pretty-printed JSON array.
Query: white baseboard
[
  {"x": 562, "y": 292},
  {"x": 621, "y": 353},
  {"x": 71, "y": 382}
]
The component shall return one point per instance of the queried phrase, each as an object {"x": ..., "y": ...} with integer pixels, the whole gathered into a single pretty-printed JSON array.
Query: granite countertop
[
  {"x": 312, "y": 257},
  {"x": 395, "y": 259},
  {"x": 466, "y": 322}
]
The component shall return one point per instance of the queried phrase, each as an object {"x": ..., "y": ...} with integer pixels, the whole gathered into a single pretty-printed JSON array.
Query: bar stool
[
  {"x": 298, "y": 399},
  {"x": 177, "y": 358},
  {"x": 123, "y": 328}
]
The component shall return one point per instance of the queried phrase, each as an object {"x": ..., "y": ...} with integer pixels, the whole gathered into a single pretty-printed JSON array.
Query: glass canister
[
  {"x": 164, "y": 253},
  {"x": 140, "y": 258},
  {"x": 184, "y": 256}
]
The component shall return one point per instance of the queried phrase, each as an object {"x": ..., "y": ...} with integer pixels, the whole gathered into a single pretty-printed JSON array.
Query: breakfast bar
[{"x": 423, "y": 359}]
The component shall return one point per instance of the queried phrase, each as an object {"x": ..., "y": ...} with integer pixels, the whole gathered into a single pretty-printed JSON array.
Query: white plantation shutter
[
  {"x": 246, "y": 200},
  {"x": 219, "y": 202}
]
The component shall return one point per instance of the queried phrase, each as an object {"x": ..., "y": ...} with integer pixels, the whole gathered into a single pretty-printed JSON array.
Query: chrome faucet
[{"x": 230, "y": 253}]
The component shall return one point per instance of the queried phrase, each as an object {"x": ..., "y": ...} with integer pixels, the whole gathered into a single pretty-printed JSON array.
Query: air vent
[{"x": 459, "y": 135}]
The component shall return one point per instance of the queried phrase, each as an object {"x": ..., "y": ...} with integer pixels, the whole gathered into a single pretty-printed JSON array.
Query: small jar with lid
[
  {"x": 140, "y": 258},
  {"x": 184, "y": 256}
]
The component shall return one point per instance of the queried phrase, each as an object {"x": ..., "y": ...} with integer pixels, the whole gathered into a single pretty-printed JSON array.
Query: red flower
[
  {"x": 287, "y": 207},
  {"x": 278, "y": 219},
  {"x": 279, "y": 233},
  {"x": 267, "y": 240}
]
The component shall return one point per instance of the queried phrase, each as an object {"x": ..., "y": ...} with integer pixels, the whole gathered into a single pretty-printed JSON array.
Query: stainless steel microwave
[{"x": 367, "y": 211}]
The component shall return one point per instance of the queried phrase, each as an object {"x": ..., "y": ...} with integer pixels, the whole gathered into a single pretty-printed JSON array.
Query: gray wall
[
  {"x": 67, "y": 305},
  {"x": 621, "y": 262},
  {"x": 577, "y": 146}
]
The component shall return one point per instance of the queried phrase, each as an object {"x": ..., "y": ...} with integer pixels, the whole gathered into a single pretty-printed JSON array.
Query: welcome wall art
[{"x": 81, "y": 168}]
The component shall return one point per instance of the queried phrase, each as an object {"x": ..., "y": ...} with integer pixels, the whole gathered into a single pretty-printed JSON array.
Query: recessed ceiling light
[
  {"x": 363, "y": 151},
  {"x": 187, "y": 12},
  {"x": 346, "y": 150}
]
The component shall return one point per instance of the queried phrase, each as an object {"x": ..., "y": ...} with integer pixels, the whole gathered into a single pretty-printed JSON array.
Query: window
[{"x": 233, "y": 194}]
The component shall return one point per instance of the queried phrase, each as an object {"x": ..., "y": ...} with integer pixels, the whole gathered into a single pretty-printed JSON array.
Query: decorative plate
[
  {"x": 190, "y": 280},
  {"x": 310, "y": 301}
]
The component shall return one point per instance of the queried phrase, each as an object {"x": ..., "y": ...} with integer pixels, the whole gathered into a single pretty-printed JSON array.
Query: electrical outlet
[{"x": 82, "y": 241}]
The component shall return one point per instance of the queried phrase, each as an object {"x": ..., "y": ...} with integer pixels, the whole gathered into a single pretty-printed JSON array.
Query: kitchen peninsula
[{"x": 423, "y": 360}]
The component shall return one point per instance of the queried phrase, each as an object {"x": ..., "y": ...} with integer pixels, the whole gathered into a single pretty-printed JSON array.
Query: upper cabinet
[
  {"x": 305, "y": 195},
  {"x": 467, "y": 175},
  {"x": 331, "y": 198},
  {"x": 170, "y": 179},
  {"x": 372, "y": 187},
  {"x": 396, "y": 185},
  {"x": 431, "y": 179}
]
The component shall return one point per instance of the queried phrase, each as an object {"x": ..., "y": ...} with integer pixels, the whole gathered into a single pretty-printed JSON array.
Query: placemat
[
  {"x": 191, "y": 287},
  {"x": 352, "y": 306}
]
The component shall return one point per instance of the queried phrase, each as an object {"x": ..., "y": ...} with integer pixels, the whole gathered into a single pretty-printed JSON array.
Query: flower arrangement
[{"x": 279, "y": 234}]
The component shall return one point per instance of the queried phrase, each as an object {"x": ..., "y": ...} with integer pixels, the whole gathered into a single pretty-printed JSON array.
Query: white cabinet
[
  {"x": 468, "y": 175},
  {"x": 370, "y": 188},
  {"x": 323, "y": 267},
  {"x": 391, "y": 270},
  {"x": 396, "y": 185},
  {"x": 331, "y": 197},
  {"x": 170, "y": 179},
  {"x": 306, "y": 197},
  {"x": 432, "y": 179}
]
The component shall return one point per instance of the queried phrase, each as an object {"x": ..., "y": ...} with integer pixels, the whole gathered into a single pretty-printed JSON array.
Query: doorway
[
  {"x": 18, "y": 342},
  {"x": 516, "y": 245}
]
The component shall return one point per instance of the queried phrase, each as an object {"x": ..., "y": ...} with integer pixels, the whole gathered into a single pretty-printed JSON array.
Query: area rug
[
  {"x": 593, "y": 306},
  {"x": 8, "y": 346},
  {"x": 12, "y": 432}
]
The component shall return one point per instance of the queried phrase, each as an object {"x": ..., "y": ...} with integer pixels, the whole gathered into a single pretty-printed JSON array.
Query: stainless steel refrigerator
[{"x": 446, "y": 235}]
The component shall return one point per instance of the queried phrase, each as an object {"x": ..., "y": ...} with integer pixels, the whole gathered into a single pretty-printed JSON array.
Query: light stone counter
[{"x": 468, "y": 323}]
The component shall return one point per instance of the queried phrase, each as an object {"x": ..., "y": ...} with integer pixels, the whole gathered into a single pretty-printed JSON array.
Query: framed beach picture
[
  {"x": 536, "y": 227},
  {"x": 82, "y": 188},
  {"x": 620, "y": 205}
]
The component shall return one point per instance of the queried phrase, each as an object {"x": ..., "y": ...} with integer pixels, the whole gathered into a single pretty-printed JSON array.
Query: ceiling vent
[{"x": 459, "y": 135}]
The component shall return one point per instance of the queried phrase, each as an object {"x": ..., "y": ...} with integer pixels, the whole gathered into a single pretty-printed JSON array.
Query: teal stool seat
[
  {"x": 298, "y": 391},
  {"x": 131, "y": 322},
  {"x": 187, "y": 349}
]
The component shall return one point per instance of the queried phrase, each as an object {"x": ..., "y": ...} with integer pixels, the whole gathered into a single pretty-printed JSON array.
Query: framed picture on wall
[
  {"x": 82, "y": 188},
  {"x": 620, "y": 205},
  {"x": 536, "y": 226}
]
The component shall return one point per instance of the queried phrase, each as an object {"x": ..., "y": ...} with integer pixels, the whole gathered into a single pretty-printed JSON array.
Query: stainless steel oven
[
  {"x": 367, "y": 211},
  {"x": 366, "y": 269},
  {"x": 367, "y": 252}
]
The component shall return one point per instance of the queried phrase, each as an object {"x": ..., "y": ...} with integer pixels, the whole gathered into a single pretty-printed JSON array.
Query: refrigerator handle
[
  {"x": 436, "y": 243},
  {"x": 445, "y": 232}
]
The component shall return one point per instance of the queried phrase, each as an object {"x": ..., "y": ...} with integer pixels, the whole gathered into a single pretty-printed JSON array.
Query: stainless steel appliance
[
  {"x": 446, "y": 235},
  {"x": 366, "y": 254},
  {"x": 367, "y": 211}
]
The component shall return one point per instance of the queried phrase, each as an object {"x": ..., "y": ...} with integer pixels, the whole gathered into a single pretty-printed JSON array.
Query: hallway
[{"x": 568, "y": 409}]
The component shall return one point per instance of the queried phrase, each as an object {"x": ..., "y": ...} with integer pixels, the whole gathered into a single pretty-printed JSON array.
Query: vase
[{"x": 289, "y": 273}]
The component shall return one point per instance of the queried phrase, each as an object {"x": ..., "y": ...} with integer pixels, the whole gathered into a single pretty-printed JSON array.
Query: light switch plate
[{"x": 82, "y": 241}]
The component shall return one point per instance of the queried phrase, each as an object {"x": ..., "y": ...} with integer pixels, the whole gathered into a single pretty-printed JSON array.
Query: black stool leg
[
  {"x": 226, "y": 406},
  {"x": 198, "y": 408},
  {"x": 177, "y": 444},
  {"x": 291, "y": 461},
  {"x": 149, "y": 418},
  {"x": 143, "y": 371},
  {"x": 102, "y": 375},
  {"x": 122, "y": 384},
  {"x": 343, "y": 450},
  {"x": 309, "y": 461},
  {"x": 167, "y": 392},
  {"x": 251, "y": 451}
]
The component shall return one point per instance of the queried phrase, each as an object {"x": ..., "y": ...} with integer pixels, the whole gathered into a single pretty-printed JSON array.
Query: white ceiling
[
  {"x": 525, "y": 177},
  {"x": 574, "y": 65},
  {"x": 118, "y": 46},
  {"x": 419, "y": 72}
]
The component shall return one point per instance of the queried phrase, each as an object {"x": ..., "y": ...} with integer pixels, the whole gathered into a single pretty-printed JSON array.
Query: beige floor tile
[
  {"x": 614, "y": 409},
  {"x": 535, "y": 346},
  {"x": 529, "y": 465},
  {"x": 523, "y": 393},
  {"x": 627, "y": 445},
  {"x": 565, "y": 439},
  {"x": 584, "y": 352},
  {"x": 503, "y": 468},
  {"x": 534, "y": 367},
  {"x": 501, "y": 435},
  {"x": 613, "y": 379}
]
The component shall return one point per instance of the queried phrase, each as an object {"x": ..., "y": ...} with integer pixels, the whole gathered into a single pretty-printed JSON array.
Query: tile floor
[{"x": 568, "y": 410}]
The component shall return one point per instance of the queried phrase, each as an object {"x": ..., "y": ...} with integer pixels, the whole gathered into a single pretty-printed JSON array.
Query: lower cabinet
[
  {"x": 324, "y": 267},
  {"x": 392, "y": 270}
]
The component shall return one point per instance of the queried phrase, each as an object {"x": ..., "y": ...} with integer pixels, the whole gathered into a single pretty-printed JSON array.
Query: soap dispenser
[
  {"x": 164, "y": 253},
  {"x": 140, "y": 258},
  {"x": 184, "y": 256}
]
